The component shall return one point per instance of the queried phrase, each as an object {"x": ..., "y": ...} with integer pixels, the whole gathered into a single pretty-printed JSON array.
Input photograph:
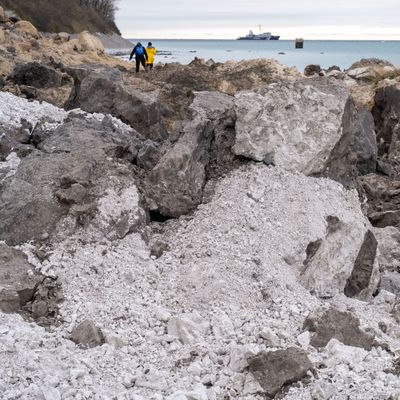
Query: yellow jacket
[{"x": 151, "y": 53}]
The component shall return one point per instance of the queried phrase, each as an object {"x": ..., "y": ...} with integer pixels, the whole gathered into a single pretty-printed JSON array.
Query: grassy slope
[{"x": 59, "y": 16}]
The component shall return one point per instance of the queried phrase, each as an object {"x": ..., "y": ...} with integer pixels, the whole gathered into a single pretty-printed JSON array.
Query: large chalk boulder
[
  {"x": 294, "y": 125},
  {"x": 101, "y": 89}
]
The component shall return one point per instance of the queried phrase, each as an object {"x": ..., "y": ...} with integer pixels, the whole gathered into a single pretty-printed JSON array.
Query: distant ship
[{"x": 260, "y": 36}]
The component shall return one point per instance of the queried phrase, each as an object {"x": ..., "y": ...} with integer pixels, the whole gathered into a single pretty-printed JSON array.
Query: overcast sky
[{"x": 227, "y": 19}]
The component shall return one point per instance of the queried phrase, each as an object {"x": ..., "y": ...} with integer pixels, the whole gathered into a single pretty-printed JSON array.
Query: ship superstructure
[{"x": 261, "y": 36}]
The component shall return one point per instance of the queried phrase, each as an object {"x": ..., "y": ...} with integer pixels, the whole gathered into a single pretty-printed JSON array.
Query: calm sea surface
[{"x": 325, "y": 53}]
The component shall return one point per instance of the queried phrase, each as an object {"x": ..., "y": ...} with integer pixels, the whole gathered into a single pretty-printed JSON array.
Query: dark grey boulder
[
  {"x": 383, "y": 194},
  {"x": 356, "y": 152},
  {"x": 381, "y": 219},
  {"x": 159, "y": 248},
  {"x": 386, "y": 113},
  {"x": 101, "y": 89},
  {"x": 16, "y": 139},
  {"x": 333, "y": 68},
  {"x": 65, "y": 176},
  {"x": 312, "y": 69},
  {"x": 87, "y": 335},
  {"x": 364, "y": 266},
  {"x": 43, "y": 307},
  {"x": 341, "y": 325},
  {"x": 175, "y": 185},
  {"x": 219, "y": 108},
  {"x": 18, "y": 279},
  {"x": 37, "y": 75},
  {"x": 276, "y": 369}
]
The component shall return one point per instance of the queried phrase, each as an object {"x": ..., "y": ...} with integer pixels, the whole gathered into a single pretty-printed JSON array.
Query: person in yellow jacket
[{"x": 151, "y": 54}]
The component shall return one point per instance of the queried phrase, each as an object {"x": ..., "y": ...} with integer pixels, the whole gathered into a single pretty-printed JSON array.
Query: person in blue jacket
[{"x": 140, "y": 54}]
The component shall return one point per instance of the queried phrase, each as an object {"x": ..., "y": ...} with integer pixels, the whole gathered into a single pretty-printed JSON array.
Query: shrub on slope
[{"x": 66, "y": 15}]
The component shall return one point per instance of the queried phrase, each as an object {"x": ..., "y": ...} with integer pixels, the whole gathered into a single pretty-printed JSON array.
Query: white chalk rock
[
  {"x": 161, "y": 314},
  {"x": 238, "y": 356},
  {"x": 294, "y": 125},
  {"x": 362, "y": 73},
  {"x": 188, "y": 328},
  {"x": 199, "y": 393},
  {"x": 51, "y": 394},
  {"x": 251, "y": 386},
  {"x": 304, "y": 339},
  {"x": 338, "y": 353},
  {"x": 195, "y": 369},
  {"x": 222, "y": 325},
  {"x": 324, "y": 391},
  {"x": 270, "y": 337}
]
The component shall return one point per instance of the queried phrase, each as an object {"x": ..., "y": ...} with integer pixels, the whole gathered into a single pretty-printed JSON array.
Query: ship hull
[{"x": 262, "y": 39}]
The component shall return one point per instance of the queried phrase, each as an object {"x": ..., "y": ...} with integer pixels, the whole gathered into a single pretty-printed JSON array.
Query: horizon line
[{"x": 262, "y": 41}]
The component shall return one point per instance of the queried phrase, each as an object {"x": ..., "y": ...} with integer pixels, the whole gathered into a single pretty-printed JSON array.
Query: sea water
[{"x": 323, "y": 52}]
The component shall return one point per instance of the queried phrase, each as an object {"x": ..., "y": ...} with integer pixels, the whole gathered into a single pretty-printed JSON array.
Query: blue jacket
[{"x": 137, "y": 52}]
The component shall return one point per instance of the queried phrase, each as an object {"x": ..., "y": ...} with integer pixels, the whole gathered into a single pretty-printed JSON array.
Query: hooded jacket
[
  {"x": 151, "y": 53},
  {"x": 136, "y": 51}
]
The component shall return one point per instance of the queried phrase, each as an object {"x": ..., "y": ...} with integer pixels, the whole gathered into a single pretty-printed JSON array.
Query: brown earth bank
[{"x": 209, "y": 231}]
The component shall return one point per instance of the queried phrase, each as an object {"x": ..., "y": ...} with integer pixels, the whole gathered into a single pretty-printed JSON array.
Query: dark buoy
[{"x": 299, "y": 43}]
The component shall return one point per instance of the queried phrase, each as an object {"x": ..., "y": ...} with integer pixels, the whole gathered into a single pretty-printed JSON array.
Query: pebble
[
  {"x": 51, "y": 393},
  {"x": 304, "y": 339}
]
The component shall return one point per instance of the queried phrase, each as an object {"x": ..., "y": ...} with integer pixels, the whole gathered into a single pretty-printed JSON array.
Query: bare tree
[{"x": 106, "y": 8}]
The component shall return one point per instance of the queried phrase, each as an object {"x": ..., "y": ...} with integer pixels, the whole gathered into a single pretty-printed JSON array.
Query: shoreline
[{"x": 324, "y": 53}]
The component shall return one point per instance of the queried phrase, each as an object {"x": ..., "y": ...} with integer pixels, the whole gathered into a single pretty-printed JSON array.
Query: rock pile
[{"x": 204, "y": 248}]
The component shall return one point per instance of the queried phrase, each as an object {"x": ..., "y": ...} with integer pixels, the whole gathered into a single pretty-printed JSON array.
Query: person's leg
[
  {"x": 151, "y": 66},
  {"x": 143, "y": 61},
  {"x": 137, "y": 64}
]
